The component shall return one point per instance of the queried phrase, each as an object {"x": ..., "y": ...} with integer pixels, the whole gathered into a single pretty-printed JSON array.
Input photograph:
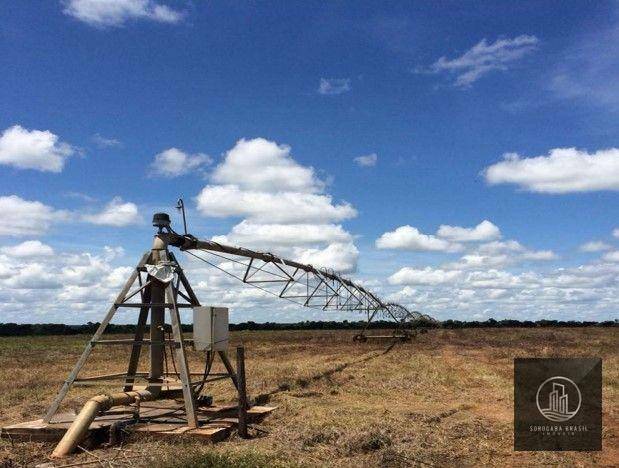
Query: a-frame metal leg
[
  {"x": 224, "y": 358},
  {"x": 370, "y": 318},
  {"x": 87, "y": 350},
  {"x": 399, "y": 327},
  {"x": 361, "y": 336},
  {"x": 190, "y": 404},
  {"x": 185, "y": 282},
  {"x": 139, "y": 337}
]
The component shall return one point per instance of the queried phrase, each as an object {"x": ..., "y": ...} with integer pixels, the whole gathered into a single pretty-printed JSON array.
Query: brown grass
[{"x": 444, "y": 399}]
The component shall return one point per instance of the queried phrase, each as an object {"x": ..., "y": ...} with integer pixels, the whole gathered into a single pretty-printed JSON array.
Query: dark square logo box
[{"x": 558, "y": 404}]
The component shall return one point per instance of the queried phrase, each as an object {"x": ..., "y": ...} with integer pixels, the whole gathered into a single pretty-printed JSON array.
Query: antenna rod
[{"x": 180, "y": 205}]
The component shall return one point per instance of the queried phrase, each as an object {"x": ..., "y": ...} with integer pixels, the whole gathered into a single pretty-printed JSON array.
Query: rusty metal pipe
[
  {"x": 78, "y": 430},
  {"x": 159, "y": 253}
]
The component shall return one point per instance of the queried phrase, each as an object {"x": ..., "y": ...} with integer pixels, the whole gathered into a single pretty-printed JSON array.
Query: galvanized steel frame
[{"x": 324, "y": 289}]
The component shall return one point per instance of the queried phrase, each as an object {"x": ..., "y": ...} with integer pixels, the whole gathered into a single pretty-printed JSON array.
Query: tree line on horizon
[{"x": 26, "y": 329}]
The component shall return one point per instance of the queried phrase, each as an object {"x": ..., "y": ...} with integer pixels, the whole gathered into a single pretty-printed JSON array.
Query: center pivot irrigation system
[
  {"x": 158, "y": 285},
  {"x": 301, "y": 284}
]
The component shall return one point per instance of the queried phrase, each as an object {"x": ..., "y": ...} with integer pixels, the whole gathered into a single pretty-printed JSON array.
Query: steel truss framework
[
  {"x": 154, "y": 298},
  {"x": 301, "y": 284}
]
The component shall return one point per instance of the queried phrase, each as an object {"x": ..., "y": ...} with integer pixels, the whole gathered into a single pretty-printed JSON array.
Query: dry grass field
[{"x": 444, "y": 399}]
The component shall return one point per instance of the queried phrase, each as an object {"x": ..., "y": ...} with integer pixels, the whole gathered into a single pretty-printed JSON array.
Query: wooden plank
[
  {"x": 261, "y": 410},
  {"x": 214, "y": 410},
  {"x": 211, "y": 433}
]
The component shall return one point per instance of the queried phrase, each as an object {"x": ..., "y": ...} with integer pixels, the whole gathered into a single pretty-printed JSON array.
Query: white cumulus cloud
[
  {"x": 479, "y": 261},
  {"x": 258, "y": 179},
  {"x": 425, "y": 276},
  {"x": 563, "y": 170},
  {"x": 33, "y": 149},
  {"x": 611, "y": 256},
  {"x": 478, "y": 285},
  {"x": 264, "y": 207},
  {"x": 540, "y": 255},
  {"x": 116, "y": 213},
  {"x": 410, "y": 238},
  {"x": 337, "y": 256},
  {"x": 284, "y": 205},
  {"x": 45, "y": 288},
  {"x": 267, "y": 236},
  {"x": 174, "y": 162},
  {"x": 595, "y": 246},
  {"x": 24, "y": 217},
  {"x": 484, "y": 231},
  {"x": 33, "y": 276},
  {"x": 447, "y": 238},
  {"x": 117, "y": 12},
  {"x": 500, "y": 254},
  {"x": 33, "y": 248},
  {"x": 496, "y": 247},
  {"x": 264, "y": 165}
]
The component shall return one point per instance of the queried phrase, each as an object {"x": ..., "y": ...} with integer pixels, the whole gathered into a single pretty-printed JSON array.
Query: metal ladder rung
[
  {"x": 139, "y": 305},
  {"x": 142, "y": 342}
]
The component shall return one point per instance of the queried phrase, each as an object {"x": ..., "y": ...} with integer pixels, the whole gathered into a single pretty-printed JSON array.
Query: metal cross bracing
[
  {"x": 157, "y": 287},
  {"x": 302, "y": 284}
]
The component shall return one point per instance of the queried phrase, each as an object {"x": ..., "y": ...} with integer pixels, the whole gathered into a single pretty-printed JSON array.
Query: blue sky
[{"x": 393, "y": 118}]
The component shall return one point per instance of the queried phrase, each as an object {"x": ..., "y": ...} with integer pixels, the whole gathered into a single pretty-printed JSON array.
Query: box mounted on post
[
  {"x": 156, "y": 288},
  {"x": 210, "y": 328}
]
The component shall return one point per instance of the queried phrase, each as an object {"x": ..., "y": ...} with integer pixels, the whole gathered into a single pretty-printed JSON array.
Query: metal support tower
[{"x": 157, "y": 285}]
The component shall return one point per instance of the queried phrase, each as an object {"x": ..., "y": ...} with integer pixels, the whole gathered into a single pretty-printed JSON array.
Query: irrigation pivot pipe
[
  {"x": 93, "y": 407},
  {"x": 290, "y": 280}
]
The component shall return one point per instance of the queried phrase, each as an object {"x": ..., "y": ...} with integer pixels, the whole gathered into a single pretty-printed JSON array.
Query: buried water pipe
[{"x": 93, "y": 407}]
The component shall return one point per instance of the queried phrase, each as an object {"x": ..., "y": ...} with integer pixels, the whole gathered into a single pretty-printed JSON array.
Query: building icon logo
[
  {"x": 558, "y": 404},
  {"x": 558, "y": 399}
]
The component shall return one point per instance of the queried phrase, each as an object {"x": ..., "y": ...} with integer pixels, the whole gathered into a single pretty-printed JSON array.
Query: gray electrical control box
[{"x": 210, "y": 328}]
